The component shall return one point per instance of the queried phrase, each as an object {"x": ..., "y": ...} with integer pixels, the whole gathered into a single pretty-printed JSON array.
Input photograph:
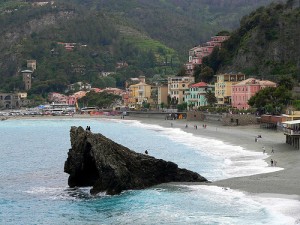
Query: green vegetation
[
  {"x": 152, "y": 39},
  {"x": 273, "y": 100},
  {"x": 264, "y": 45},
  {"x": 100, "y": 100}
]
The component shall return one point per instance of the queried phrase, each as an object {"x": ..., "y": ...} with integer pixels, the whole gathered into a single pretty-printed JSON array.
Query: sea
[{"x": 34, "y": 188}]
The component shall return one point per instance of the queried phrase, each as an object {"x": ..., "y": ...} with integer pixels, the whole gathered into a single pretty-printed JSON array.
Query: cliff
[{"x": 97, "y": 161}]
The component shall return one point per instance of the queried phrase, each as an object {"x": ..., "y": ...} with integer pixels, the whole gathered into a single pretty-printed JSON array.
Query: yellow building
[
  {"x": 139, "y": 93},
  {"x": 223, "y": 86},
  {"x": 177, "y": 86},
  {"x": 162, "y": 95},
  {"x": 31, "y": 64}
]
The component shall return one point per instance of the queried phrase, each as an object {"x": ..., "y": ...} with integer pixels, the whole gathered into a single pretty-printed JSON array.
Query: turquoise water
[{"x": 34, "y": 187}]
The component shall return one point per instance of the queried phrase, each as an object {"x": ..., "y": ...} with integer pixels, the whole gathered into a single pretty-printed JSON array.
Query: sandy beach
[{"x": 284, "y": 182}]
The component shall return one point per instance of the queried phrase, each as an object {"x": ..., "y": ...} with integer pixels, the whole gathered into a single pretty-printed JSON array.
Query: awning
[{"x": 292, "y": 122}]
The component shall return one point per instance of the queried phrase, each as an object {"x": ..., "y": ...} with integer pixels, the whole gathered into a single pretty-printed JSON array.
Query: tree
[
  {"x": 207, "y": 74},
  {"x": 210, "y": 98},
  {"x": 182, "y": 72},
  {"x": 182, "y": 107},
  {"x": 286, "y": 82},
  {"x": 271, "y": 100},
  {"x": 101, "y": 100},
  {"x": 197, "y": 72}
]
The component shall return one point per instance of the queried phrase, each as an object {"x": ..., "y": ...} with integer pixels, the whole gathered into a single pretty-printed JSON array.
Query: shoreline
[
  {"x": 279, "y": 183},
  {"x": 283, "y": 182}
]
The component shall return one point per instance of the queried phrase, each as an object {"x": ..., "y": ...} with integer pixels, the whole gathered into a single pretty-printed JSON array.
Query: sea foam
[{"x": 236, "y": 161}]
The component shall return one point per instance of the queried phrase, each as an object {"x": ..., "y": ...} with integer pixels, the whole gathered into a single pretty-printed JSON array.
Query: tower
[{"x": 27, "y": 78}]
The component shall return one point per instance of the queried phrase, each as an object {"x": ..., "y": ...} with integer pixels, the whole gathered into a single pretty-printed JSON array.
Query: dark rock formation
[{"x": 97, "y": 161}]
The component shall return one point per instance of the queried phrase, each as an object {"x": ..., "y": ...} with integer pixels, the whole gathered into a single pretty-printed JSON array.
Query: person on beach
[
  {"x": 186, "y": 126},
  {"x": 275, "y": 162},
  {"x": 272, "y": 150},
  {"x": 264, "y": 150},
  {"x": 272, "y": 162}
]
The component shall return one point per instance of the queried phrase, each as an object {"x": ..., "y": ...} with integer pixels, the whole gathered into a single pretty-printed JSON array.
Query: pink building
[
  {"x": 57, "y": 98},
  {"x": 243, "y": 91},
  {"x": 197, "y": 53},
  {"x": 115, "y": 91}
]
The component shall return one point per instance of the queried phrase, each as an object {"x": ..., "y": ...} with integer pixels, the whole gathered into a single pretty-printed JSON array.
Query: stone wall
[
  {"x": 195, "y": 116},
  {"x": 239, "y": 119},
  {"x": 156, "y": 115},
  {"x": 224, "y": 119}
]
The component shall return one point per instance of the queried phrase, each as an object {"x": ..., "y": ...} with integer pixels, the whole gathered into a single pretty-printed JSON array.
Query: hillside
[
  {"x": 153, "y": 37},
  {"x": 267, "y": 43},
  {"x": 180, "y": 24}
]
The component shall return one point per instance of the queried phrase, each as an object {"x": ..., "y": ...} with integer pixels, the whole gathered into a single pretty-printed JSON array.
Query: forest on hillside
[
  {"x": 152, "y": 37},
  {"x": 267, "y": 44}
]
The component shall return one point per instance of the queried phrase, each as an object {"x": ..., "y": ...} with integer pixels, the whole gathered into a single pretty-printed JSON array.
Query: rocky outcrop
[{"x": 97, "y": 161}]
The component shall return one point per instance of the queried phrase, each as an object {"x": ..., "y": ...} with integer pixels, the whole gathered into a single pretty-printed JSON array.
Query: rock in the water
[{"x": 97, "y": 161}]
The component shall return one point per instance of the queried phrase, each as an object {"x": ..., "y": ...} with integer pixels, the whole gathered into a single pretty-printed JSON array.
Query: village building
[
  {"x": 195, "y": 96},
  {"x": 177, "y": 86},
  {"x": 291, "y": 130},
  {"x": 241, "y": 92},
  {"x": 105, "y": 74},
  {"x": 96, "y": 90},
  {"x": 162, "y": 95},
  {"x": 134, "y": 80},
  {"x": 115, "y": 91},
  {"x": 139, "y": 93},
  {"x": 31, "y": 65},
  {"x": 79, "y": 86},
  {"x": 197, "y": 53},
  {"x": 13, "y": 100},
  {"x": 58, "y": 98},
  {"x": 223, "y": 87},
  {"x": 121, "y": 65}
]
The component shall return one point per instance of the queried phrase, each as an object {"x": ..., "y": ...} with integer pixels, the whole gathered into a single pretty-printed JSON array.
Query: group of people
[
  {"x": 273, "y": 162},
  {"x": 88, "y": 128},
  {"x": 264, "y": 149},
  {"x": 196, "y": 127}
]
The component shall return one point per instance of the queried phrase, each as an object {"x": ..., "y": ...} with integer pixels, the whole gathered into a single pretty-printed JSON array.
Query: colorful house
[
  {"x": 197, "y": 53},
  {"x": 177, "y": 86},
  {"x": 162, "y": 94},
  {"x": 196, "y": 95},
  {"x": 223, "y": 86},
  {"x": 241, "y": 92},
  {"x": 139, "y": 93}
]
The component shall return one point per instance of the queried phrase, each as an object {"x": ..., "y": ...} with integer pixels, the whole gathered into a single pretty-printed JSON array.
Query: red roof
[{"x": 200, "y": 84}]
